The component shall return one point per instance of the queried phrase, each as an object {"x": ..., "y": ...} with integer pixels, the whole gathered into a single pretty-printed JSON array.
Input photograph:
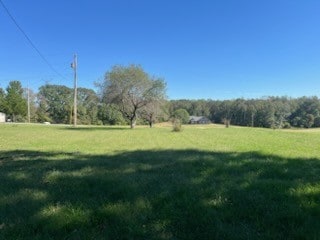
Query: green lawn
[{"x": 207, "y": 182}]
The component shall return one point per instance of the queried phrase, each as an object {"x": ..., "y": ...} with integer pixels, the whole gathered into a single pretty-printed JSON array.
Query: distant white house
[
  {"x": 199, "y": 120},
  {"x": 2, "y": 117}
]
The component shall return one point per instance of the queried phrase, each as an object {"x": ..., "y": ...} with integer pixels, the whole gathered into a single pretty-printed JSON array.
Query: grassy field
[{"x": 207, "y": 182}]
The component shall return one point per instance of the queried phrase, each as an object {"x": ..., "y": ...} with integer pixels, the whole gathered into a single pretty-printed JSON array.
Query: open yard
[{"x": 207, "y": 182}]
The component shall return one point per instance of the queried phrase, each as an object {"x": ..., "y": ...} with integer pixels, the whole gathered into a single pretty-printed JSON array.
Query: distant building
[
  {"x": 2, "y": 117},
  {"x": 199, "y": 120}
]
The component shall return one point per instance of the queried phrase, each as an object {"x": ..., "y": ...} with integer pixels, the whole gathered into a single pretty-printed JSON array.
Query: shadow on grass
[{"x": 185, "y": 194}]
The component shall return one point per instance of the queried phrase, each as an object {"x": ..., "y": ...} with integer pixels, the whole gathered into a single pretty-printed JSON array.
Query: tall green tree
[
  {"x": 282, "y": 110},
  {"x": 3, "y": 106},
  {"x": 228, "y": 109},
  {"x": 56, "y": 103},
  {"x": 130, "y": 88},
  {"x": 306, "y": 112},
  {"x": 42, "y": 112},
  {"x": 87, "y": 106},
  {"x": 16, "y": 104}
]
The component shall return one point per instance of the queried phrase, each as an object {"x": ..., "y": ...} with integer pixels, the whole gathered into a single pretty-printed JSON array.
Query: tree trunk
[
  {"x": 252, "y": 120},
  {"x": 132, "y": 123},
  {"x": 281, "y": 122},
  {"x": 150, "y": 120},
  {"x": 227, "y": 123}
]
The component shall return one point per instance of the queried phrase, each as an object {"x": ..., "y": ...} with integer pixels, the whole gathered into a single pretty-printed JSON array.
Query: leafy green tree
[
  {"x": 87, "y": 106},
  {"x": 239, "y": 112},
  {"x": 16, "y": 104},
  {"x": 306, "y": 106},
  {"x": 252, "y": 111},
  {"x": 165, "y": 113},
  {"x": 182, "y": 115},
  {"x": 265, "y": 114},
  {"x": 316, "y": 122},
  {"x": 282, "y": 110},
  {"x": 56, "y": 102},
  {"x": 227, "y": 108},
  {"x": 309, "y": 120},
  {"x": 131, "y": 89},
  {"x": 42, "y": 114},
  {"x": 109, "y": 114},
  {"x": 3, "y": 106},
  {"x": 199, "y": 108}
]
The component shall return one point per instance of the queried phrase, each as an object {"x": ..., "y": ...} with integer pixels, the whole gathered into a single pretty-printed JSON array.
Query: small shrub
[
  {"x": 177, "y": 126},
  {"x": 286, "y": 125},
  {"x": 99, "y": 123},
  {"x": 226, "y": 122}
]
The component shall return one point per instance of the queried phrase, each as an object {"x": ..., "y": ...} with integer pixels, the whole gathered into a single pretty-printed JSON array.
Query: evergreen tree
[
  {"x": 3, "y": 106},
  {"x": 16, "y": 104}
]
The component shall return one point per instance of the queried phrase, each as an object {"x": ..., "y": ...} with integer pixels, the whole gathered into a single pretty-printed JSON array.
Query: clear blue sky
[{"x": 218, "y": 49}]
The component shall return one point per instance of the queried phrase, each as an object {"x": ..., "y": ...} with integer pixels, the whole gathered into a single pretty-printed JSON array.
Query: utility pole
[
  {"x": 74, "y": 65},
  {"x": 28, "y": 96}
]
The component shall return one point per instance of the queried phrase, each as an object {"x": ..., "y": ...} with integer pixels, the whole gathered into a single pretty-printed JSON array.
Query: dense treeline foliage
[
  {"x": 54, "y": 103},
  {"x": 271, "y": 112}
]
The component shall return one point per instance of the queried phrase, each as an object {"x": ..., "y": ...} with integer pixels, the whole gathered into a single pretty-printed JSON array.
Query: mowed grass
[{"x": 207, "y": 182}]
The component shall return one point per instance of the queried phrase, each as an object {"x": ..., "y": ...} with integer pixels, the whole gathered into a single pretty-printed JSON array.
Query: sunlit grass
[{"x": 116, "y": 139}]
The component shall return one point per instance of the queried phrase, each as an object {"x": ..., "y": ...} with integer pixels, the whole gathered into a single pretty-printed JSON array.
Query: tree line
[
  {"x": 129, "y": 95},
  {"x": 268, "y": 112}
]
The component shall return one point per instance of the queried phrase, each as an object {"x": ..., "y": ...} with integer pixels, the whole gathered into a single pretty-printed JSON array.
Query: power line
[{"x": 29, "y": 40}]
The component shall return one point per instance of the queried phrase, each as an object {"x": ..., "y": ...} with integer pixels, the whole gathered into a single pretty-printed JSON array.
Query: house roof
[{"x": 197, "y": 118}]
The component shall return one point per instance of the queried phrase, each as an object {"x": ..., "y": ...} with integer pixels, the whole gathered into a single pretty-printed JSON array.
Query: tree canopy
[
  {"x": 182, "y": 115},
  {"x": 15, "y": 104},
  {"x": 131, "y": 89},
  {"x": 2, "y": 100},
  {"x": 56, "y": 104}
]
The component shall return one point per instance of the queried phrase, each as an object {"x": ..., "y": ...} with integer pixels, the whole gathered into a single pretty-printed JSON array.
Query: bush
[
  {"x": 99, "y": 123},
  {"x": 226, "y": 122},
  {"x": 182, "y": 115},
  {"x": 286, "y": 125},
  {"x": 177, "y": 126}
]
